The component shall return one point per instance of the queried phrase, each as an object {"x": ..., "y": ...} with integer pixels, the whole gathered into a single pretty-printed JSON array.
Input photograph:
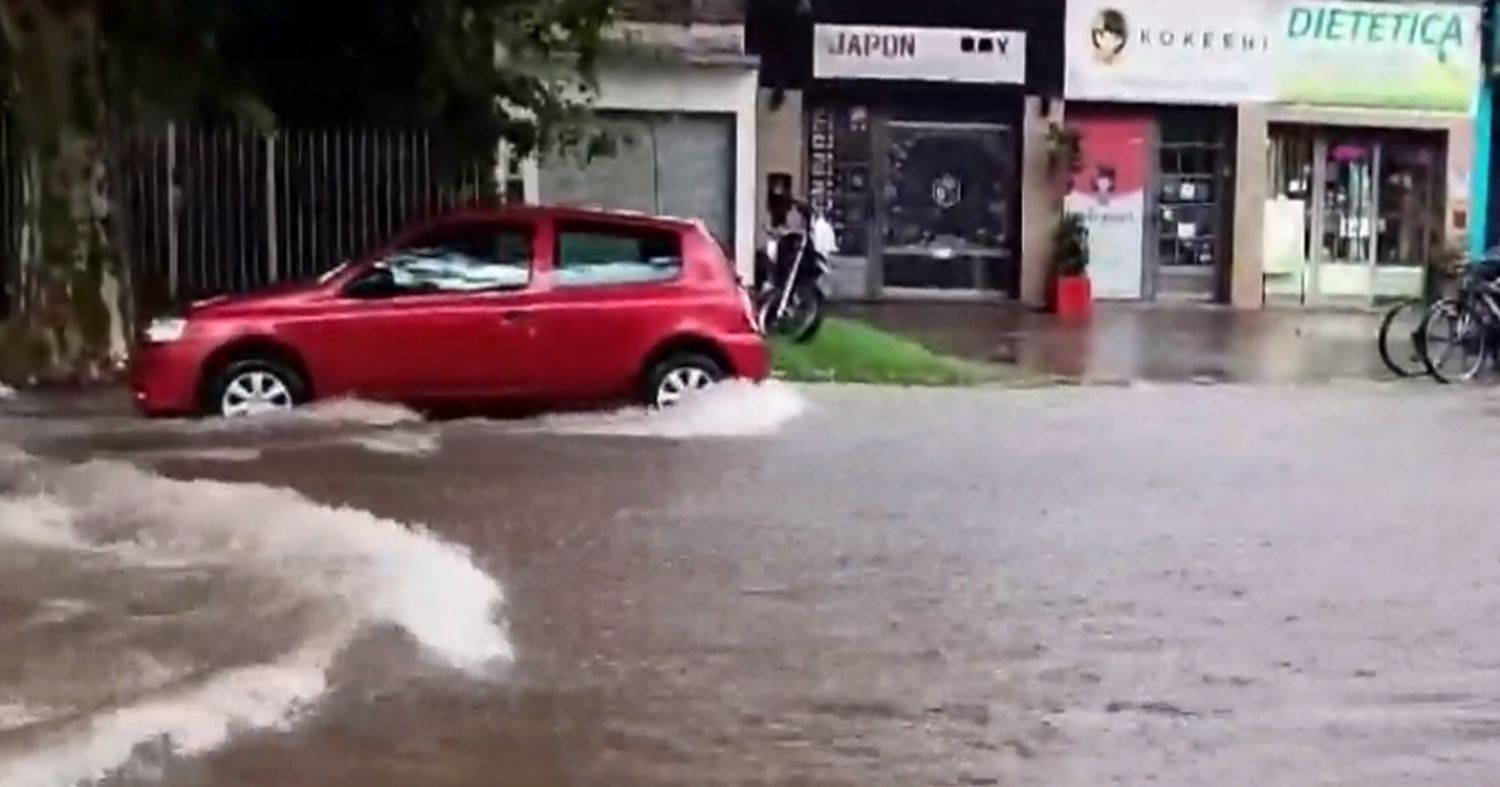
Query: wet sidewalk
[{"x": 1163, "y": 343}]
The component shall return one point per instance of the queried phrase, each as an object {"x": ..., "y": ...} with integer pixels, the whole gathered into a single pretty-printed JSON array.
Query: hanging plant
[{"x": 1064, "y": 153}]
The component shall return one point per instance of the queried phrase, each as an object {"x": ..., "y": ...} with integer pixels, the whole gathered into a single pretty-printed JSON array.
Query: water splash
[
  {"x": 399, "y": 443},
  {"x": 736, "y": 408},
  {"x": 239, "y": 597},
  {"x": 328, "y": 412}
]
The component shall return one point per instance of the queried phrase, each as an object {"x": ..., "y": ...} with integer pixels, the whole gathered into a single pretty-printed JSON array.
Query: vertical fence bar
[
  {"x": 403, "y": 184},
  {"x": 188, "y": 178},
  {"x": 273, "y": 267},
  {"x": 362, "y": 182},
  {"x": 340, "y": 174}
]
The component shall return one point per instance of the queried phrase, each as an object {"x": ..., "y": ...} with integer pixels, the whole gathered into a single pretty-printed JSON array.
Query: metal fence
[
  {"x": 12, "y": 201},
  {"x": 200, "y": 210}
]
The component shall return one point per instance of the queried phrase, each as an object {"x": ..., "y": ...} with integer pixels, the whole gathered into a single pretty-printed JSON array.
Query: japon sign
[
  {"x": 931, "y": 54},
  {"x": 1331, "y": 52}
]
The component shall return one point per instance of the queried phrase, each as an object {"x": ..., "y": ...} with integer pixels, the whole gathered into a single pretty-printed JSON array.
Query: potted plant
[
  {"x": 1073, "y": 295},
  {"x": 1069, "y": 292}
]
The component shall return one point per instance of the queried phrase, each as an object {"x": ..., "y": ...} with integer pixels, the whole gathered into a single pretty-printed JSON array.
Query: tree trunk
[{"x": 70, "y": 316}]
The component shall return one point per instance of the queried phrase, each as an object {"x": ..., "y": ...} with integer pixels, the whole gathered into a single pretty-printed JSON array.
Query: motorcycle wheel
[
  {"x": 801, "y": 318},
  {"x": 805, "y": 312}
]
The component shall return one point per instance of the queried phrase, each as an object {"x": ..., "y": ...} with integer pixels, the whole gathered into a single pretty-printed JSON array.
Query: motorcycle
[{"x": 789, "y": 298}]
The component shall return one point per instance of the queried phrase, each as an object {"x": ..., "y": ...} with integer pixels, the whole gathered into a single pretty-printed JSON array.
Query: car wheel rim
[
  {"x": 253, "y": 393},
  {"x": 679, "y": 383}
]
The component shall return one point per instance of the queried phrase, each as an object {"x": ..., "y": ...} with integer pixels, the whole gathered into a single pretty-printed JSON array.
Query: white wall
[{"x": 728, "y": 87}]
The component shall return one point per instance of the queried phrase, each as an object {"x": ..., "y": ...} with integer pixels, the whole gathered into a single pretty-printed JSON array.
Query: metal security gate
[
  {"x": 672, "y": 163},
  {"x": 198, "y": 211},
  {"x": 211, "y": 210}
]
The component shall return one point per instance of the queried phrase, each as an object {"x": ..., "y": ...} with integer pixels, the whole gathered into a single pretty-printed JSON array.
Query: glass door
[
  {"x": 1347, "y": 230},
  {"x": 1194, "y": 200},
  {"x": 1378, "y": 216},
  {"x": 1409, "y": 231}
]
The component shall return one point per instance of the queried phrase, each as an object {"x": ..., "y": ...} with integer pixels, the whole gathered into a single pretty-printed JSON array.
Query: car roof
[{"x": 562, "y": 212}]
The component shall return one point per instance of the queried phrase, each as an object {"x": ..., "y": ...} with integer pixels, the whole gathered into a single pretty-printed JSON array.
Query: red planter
[{"x": 1075, "y": 298}]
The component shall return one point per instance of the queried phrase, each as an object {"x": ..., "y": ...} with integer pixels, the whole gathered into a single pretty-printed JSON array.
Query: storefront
[
  {"x": 1329, "y": 161},
  {"x": 920, "y": 181},
  {"x": 910, "y": 124}
]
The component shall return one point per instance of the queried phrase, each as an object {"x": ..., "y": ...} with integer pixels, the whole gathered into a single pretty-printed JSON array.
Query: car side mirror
[{"x": 373, "y": 284}]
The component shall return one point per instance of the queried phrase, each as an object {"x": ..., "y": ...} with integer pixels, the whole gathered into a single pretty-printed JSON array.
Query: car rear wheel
[
  {"x": 680, "y": 375},
  {"x": 255, "y": 386}
]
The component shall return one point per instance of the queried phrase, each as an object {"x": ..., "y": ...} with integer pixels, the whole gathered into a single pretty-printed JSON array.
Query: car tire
[
  {"x": 679, "y": 374},
  {"x": 277, "y": 385}
]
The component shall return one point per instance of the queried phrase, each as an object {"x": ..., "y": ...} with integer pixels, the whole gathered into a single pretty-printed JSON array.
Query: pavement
[
  {"x": 1161, "y": 343},
  {"x": 1158, "y": 584}
]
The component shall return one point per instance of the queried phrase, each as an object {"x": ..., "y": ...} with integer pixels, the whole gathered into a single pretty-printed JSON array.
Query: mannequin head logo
[
  {"x": 1109, "y": 34},
  {"x": 1105, "y": 183},
  {"x": 947, "y": 191}
]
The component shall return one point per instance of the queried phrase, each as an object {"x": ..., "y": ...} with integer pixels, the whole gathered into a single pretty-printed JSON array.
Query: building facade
[
  {"x": 909, "y": 126},
  {"x": 1285, "y": 151}
]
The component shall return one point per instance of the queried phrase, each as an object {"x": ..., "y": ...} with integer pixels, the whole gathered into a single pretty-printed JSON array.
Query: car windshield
[{"x": 333, "y": 272}]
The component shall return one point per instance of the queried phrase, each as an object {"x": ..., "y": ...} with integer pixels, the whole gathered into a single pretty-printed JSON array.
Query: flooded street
[{"x": 1177, "y": 585}]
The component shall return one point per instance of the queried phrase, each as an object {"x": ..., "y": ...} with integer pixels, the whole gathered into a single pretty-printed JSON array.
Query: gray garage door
[{"x": 678, "y": 165}]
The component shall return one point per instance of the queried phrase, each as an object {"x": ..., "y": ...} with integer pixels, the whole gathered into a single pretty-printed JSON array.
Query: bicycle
[
  {"x": 1461, "y": 332},
  {"x": 1403, "y": 360}
]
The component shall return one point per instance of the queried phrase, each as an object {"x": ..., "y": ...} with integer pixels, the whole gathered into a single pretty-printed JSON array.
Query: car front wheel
[
  {"x": 681, "y": 375},
  {"x": 255, "y": 387}
]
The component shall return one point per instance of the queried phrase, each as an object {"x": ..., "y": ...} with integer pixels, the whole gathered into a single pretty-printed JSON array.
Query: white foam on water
[
  {"x": 38, "y": 521},
  {"x": 327, "y": 412},
  {"x": 15, "y": 715},
  {"x": 399, "y": 443},
  {"x": 232, "y": 454},
  {"x": 356, "y": 411},
  {"x": 736, "y": 408},
  {"x": 352, "y": 568}
]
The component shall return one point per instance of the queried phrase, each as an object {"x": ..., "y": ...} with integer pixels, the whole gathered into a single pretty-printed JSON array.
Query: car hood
[{"x": 279, "y": 296}]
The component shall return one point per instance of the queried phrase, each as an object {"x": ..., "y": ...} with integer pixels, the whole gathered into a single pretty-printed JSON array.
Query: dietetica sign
[
  {"x": 1419, "y": 55},
  {"x": 931, "y": 54}
]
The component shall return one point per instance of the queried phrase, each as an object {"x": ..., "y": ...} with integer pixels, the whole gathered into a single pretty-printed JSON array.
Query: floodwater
[{"x": 1175, "y": 585}]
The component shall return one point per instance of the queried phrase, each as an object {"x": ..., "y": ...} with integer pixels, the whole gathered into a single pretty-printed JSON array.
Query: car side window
[
  {"x": 594, "y": 256},
  {"x": 464, "y": 258}
]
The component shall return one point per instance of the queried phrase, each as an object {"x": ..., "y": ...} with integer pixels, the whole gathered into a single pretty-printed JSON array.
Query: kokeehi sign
[
  {"x": 1410, "y": 55},
  {"x": 935, "y": 54}
]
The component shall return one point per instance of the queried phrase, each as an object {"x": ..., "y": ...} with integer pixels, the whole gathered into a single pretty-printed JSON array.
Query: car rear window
[{"x": 593, "y": 256}]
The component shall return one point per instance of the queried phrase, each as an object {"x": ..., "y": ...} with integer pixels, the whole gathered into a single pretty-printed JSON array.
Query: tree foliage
[{"x": 473, "y": 71}]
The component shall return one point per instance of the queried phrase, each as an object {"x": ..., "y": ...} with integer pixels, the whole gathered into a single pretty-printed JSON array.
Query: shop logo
[
  {"x": 1109, "y": 34},
  {"x": 947, "y": 191}
]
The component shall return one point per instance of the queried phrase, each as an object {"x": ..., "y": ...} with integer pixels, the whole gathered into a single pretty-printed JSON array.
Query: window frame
[
  {"x": 638, "y": 231},
  {"x": 496, "y": 226}
]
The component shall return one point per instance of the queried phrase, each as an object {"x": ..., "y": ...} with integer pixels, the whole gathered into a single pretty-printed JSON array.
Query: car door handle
[{"x": 515, "y": 315}]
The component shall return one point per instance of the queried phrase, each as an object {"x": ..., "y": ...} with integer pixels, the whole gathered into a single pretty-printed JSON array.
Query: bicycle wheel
[
  {"x": 1401, "y": 339},
  {"x": 1453, "y": 343}
]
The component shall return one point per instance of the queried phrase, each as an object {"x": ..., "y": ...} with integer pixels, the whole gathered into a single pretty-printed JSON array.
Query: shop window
[
  {"x": 839, "y": 172},
  {"x": 1291, "y": 176},
  {"x": 1188, "y": 207},
  {"x": 1348, "y": 199},
  {"x": 1410, "y": 221},
  {"x": 1377, "y": 197}
]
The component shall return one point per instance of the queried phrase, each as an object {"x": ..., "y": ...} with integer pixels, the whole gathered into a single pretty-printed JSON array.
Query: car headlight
[{"x": 165, "y": 330}]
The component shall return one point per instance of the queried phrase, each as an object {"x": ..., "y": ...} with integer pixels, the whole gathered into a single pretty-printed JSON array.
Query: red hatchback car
[{"x": 541, "y": 307}]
